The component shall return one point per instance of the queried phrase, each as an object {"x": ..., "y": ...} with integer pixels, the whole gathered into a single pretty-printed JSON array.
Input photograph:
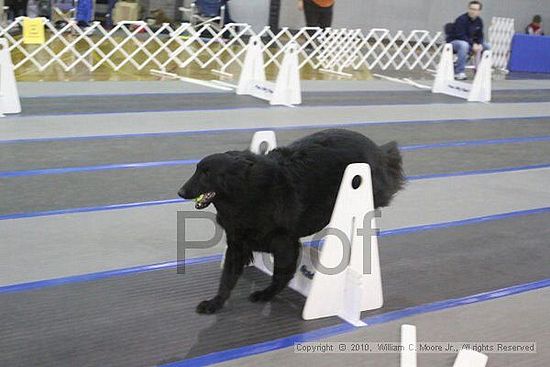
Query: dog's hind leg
[
  {"x": 286, "y": 252},
  {"x": 233, "y": 266}
]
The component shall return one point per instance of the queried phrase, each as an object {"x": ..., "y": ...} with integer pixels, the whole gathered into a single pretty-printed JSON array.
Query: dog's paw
[
  {"x": 261, "y": 296},
  {"x": 210, "y": 306}
]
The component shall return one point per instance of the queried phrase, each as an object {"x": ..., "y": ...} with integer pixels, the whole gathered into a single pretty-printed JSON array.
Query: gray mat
[
  {"x": 51, "y": 192},
  {"x": 489, "y": 322},
  {"x": 148, "y": 319},
  {"x": 68, "y": 153},
  {"x": 518, "y": 75},
  {"x": 44, "y": 106}
]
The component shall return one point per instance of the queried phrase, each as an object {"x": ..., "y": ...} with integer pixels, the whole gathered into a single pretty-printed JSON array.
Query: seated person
[
  {"x": 17, "y": 8},
  {"x": 467, "y": 36},
  {"x": 535, "y": 28}
]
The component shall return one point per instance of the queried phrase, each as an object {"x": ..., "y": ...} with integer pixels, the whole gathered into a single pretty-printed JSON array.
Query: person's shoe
[{"x": 461, "y": 76}]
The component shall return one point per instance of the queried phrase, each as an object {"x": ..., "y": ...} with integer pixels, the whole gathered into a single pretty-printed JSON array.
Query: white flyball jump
[
  {"x": 408, "y": 340},
  {"x": 470, "y": 358},
  {"x": 343, "y": 277},
  {"x": 9, "y": 97},
  {"x": 478, "y": 91},
  {"x": 286, "y": 90},
  {"x": 409, "y": 346}
]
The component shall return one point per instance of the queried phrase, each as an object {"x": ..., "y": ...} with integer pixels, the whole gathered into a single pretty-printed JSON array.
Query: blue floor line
[
  {"x": 21, "y": 287},
  {"x": 275, "y": 128},
  {"x": 90, "y": 209},
  {"x": 217, "y": 257},
  {"x": 477, "y": 172},
  {"x": 140, "y": 165},
  {"x": 272, "y": 345},
  {"x": 180, "y": 201},
  {"x": 265, "y": 106},
  {"x": 104, "y": 167}
]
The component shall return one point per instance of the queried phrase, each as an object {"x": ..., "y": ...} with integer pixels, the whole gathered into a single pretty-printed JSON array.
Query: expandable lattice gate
[{"x": 136, "y": 45}]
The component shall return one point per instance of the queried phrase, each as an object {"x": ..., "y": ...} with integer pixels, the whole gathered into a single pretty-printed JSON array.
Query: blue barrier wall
[{"x": 530, "y": 53}]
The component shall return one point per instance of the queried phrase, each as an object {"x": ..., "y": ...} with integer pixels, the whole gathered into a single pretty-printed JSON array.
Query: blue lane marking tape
[
  {"x": 206, "y": 259},
  {"x": 256, "y": 105},
  {"x": 110, "y": 95},
  {"x": 184, "y": 162},
  {"x": 276, "y": 128},
  {"x": 477, "y": 172},
  {"x": 456, "y": 223},
  {"x": 105, "y": 167},
  {"x": 179, "y": 201},
  {"x": 470, "y": 143},
  {"x": 105, "y": 274},
  {"x": 90, "y": 209},
  {"x": 272, "y": 345}
]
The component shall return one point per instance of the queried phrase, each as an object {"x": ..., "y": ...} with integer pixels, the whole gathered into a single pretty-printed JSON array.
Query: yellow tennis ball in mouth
[{"x": 199, "y": 198}]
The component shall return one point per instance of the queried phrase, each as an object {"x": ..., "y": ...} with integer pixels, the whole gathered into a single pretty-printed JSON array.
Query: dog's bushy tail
[{"x": 393, "y": 172}]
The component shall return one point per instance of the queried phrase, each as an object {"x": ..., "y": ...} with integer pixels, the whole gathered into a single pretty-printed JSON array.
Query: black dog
[{"x": 266, "y": 203}]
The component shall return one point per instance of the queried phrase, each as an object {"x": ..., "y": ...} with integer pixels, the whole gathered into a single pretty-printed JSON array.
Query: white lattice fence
[
  {"x": 136, "y": 45},
  {"x": 416, "y": 49},
  {"x": 501, "y": 33}
]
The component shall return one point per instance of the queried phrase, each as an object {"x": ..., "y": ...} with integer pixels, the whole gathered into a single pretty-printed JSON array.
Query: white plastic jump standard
[
  {"x": 408, "y": 344},
  {"x": 470, "y": 358},
  {"x": 350, "y": 281},
  {"x": 253, "y": 68},
  {"x": 263, "y": 137},
  {"x": 285, "y": 91},
  {"x": 9, "y": 97},
  {"x": 478, "y": 91}
]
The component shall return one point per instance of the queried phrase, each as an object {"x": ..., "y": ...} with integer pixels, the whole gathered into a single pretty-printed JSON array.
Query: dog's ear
[
  {"x": 232, "y": 180},
  {"x": 221, "y": 186}
]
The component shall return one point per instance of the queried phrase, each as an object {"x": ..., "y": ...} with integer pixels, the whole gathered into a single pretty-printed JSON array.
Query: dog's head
[{"x": 220, "y": 176}]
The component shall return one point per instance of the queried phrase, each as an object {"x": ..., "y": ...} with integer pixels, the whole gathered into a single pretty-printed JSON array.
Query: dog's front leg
[
  {"x": 285, "y": 252},
  {"x": 232, "y": 269}
]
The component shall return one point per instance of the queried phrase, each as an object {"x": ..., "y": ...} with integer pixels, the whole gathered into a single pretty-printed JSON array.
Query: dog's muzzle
[{"x": 203, "y": 200}]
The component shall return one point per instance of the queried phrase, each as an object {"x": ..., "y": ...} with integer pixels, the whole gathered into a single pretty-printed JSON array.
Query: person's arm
[{"x": 300, "y": 5}]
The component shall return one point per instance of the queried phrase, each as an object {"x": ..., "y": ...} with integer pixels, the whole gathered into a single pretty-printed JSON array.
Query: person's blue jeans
[
  {"x": 84, "y": 11},
  {"x": 462, "y": 50}
]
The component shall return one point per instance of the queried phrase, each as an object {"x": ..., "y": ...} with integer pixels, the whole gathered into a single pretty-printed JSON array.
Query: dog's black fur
[{"x": 266, "y": 203}]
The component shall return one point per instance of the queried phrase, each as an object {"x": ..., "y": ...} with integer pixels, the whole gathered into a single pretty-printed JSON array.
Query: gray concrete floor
[
  {"x": 34, "y": 89},
  {"x": 90, "y": 242},
  {"x": 41, "y": 127},
  {"x": 46, "y": 247},
  {"x": 519, "y": 318}
]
